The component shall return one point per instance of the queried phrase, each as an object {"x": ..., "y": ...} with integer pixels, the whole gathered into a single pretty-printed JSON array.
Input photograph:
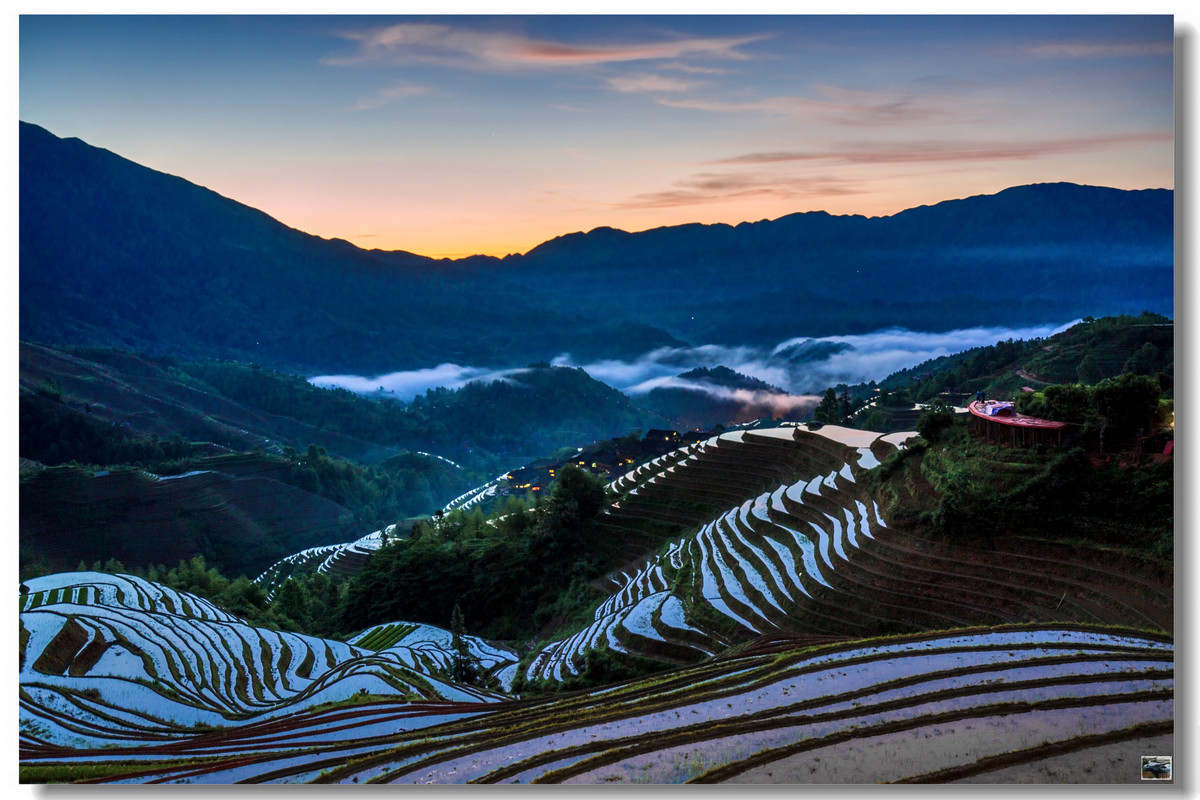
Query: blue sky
[{"x": 467, "y": 134}]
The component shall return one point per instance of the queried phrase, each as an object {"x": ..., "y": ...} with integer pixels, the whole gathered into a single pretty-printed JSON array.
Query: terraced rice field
[
  {"x": 957, "y": 705},
  {"x": 803, "y": 547},
  {"x": 108, "y": 659},
  {"x": 765, "y": 607},
  {"x": 345, "y": 560}
]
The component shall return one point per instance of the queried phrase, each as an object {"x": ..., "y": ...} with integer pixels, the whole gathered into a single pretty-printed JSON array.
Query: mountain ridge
[{"x": 116, "y": 254}]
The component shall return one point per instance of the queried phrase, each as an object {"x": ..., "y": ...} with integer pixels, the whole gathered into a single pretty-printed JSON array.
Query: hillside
[
  {"x": 1142, "y": 345},
  {"x": 319, "y": 466},
  {"x": 781, "y": 531},
  {"x": 760, "y": 619},
  {"x": 239, "y": 523},
  {"x": 115, "y": 254},
  {"x": 74, "y": 401},
  {"x": 1085, "y": 355}
]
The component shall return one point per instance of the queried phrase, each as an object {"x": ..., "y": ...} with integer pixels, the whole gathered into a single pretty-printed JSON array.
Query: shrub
[{"x": 936, "y": 421}]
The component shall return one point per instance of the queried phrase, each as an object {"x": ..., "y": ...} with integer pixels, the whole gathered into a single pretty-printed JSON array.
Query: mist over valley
[{"x": 798, "y": 367}]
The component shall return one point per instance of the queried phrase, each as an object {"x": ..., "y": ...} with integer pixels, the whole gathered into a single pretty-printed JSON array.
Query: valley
[{"x": 699, "y": 503}]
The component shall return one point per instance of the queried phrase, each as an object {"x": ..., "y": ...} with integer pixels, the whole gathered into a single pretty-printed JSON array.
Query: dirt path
[{"x": 1032, "y": 379}]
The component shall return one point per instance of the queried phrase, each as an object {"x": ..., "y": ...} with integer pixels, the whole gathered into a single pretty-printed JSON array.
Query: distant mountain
[
  {"x": 115, "y": 254},
  {"x": 729, "y": 379},
  {"x": 119, "y": 255},
  {"x": 1029, "y": 254}
]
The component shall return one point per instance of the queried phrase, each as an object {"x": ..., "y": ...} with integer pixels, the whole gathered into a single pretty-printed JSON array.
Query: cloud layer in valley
[
  {"x": 801, "y": 367},
  {"x": 408, "y": 384}
]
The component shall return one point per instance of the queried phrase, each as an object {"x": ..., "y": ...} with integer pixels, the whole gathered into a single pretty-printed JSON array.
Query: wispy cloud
[
  {"x": 649, "y": 83},
  {"x": 397, "y": 90},
  {"x": 408, "y": 42},
  {"x": 693, "y": 69},
  {"x": 1101, "y": 50},
  {"x": 710, "y": 187},
  {"x": 932, "y": 152},
  {"x": 841, "y": 106}
]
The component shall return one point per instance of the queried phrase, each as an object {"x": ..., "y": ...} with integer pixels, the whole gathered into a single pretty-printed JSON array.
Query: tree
[
  {"x": 1068, "y": 402},
  {"x": 577, "y": 497},
  {"x": 1127, "y": 404},
  {"x": 1089, "y": 370},
  {"x": 844, "y": 403},
  {"x": 463, "y": 666},
  {"x": 935, "y": 421},
  {"x": 875, "y": 421},
  {"x": 1146, "y": 361},
  {"x": 292, "y": 602},
  {"x": 828, "y": 409}
]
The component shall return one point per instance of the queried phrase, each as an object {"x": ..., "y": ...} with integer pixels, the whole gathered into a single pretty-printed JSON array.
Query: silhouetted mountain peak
[{"x": 116, "y": 254}]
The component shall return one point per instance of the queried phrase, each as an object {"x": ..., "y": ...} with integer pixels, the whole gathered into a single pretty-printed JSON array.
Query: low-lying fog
[{"x": 800, "y": 366}]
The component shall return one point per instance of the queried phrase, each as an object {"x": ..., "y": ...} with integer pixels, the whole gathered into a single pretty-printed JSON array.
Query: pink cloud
[
  {"x": 713, "y": 188},
  {"x": 425, "y": 42},
  {"x": 931, "y": 152},
  {"x": 1078, "y": 50},
  {"x": 648, "y": 83},
  {"x": 844, "y": 107}
]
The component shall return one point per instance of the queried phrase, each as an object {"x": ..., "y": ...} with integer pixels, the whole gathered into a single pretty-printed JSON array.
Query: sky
[{"x": 455, "y": 135}]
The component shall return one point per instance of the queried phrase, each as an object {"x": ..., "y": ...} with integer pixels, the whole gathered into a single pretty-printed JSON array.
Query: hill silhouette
[{"x": 115, "y": 254}]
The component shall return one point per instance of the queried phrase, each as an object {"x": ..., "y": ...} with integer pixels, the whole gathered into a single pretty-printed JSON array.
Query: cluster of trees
[
  {"x": 834, "y": 408},
  {"x": 1110, "y": 415},
  {"x": 404, "y": 485},
  {"x": 53, "y": 433},
  {"x": 1113, "y": 412},
  {"x": 510, "y": 575},
  {"x": 309, "y": 604}
]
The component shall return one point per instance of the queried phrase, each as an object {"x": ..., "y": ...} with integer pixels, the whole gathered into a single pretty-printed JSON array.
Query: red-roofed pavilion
[{"x": 999, "y": 423}]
